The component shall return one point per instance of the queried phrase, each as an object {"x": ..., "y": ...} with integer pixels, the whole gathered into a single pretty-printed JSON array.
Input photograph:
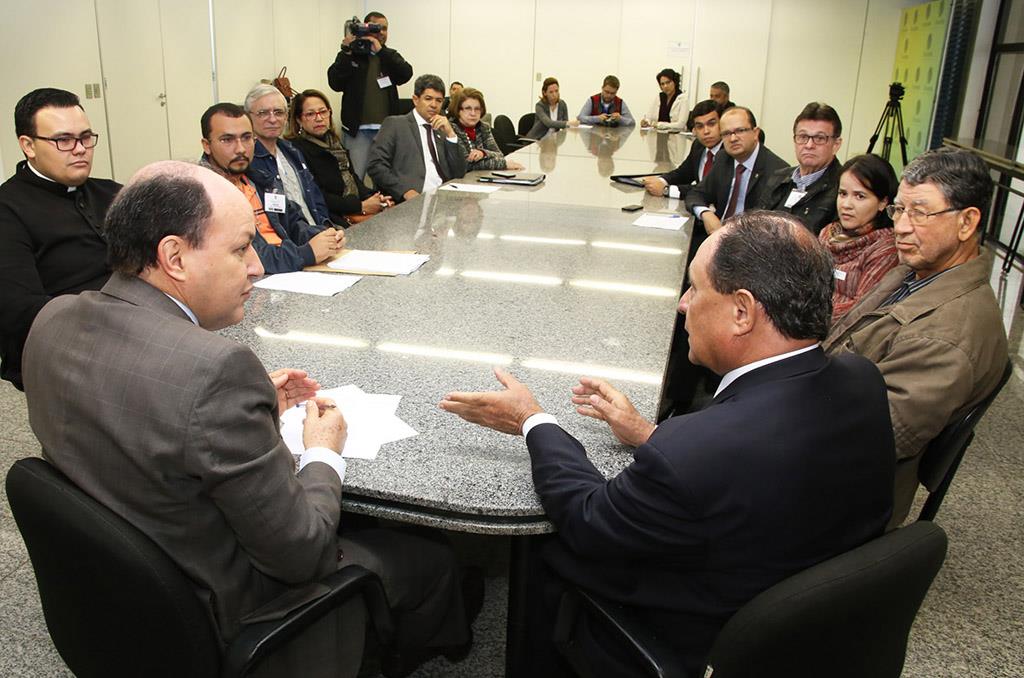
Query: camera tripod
[{"x": 891, "y": 121}]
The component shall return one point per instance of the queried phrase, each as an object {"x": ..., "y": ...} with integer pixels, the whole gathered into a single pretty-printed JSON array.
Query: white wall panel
[
  {"x": 731, "y": 44},
  {"x": 28, "y": 65},
  {"x": 421, "y": 32},
  {"x": 245, "y": 46}
]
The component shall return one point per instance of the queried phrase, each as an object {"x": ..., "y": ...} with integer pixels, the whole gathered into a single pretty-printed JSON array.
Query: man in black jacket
[
  {"x": 703, "y": 123},
  {"x": 737, "y": 178},
  {"x": 721, "y": 504},
  {"x": 369, "y": 80},
  {"x": 808, "y": 189},
  {"x": 51, "y": 217}
]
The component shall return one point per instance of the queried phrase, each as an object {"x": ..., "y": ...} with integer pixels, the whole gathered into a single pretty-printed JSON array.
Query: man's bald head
[
  {"x": 784, "y": 267},
  {"x": 161, "y": 199}
]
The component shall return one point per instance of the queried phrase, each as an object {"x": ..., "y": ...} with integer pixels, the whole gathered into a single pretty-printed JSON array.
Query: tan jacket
[{"x": 941, "y": 351}]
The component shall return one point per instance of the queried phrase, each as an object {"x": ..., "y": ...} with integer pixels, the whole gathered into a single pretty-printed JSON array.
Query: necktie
[
  {"x": 433, "y": 151},
  {"x": 707, "y": 164},
  {"x": 735, "y": 192}
]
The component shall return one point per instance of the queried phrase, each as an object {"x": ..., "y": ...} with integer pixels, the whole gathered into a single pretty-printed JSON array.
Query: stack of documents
[
  {"x": 669, "y": 222},
  {"x": 379, "y": 263},
  {"x": 370, "y": 417},
  {"x": 322, "y": 284}
]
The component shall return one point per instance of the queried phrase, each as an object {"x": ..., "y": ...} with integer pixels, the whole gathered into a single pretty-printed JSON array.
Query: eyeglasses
[
  {"x": 738, "y": 131},
  {"x": 232, "y": 139},
  {"x": 267, "y": 112},
  {"x": 68, "y": 143},
  {"x": 917, "y": 217},
  {"x": 322, "y": 113},
  {"x": 817, "y": 139},
  {"x": 470, "y": 109}
]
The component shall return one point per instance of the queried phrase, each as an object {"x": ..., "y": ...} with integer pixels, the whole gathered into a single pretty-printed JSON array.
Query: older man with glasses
[
  {"x": 808, "y": 189},
  {"x": 51, "y": 217},
  {"x": 276, "y": 164},
  {"x": 932, "y": 325}
]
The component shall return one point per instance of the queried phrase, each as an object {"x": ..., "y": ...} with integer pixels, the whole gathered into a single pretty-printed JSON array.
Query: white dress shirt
[{"x": 431, "y": 179}]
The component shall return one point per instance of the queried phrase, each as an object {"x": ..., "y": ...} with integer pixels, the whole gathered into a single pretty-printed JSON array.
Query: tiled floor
[{"x": 971, "y": 623}]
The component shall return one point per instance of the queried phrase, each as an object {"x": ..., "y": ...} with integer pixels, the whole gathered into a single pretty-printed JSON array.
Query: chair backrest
[
  {"x": 115, "y": 603},
  {"x": 941, "y": 459},
  {"x": 526, "y": 123},
  {"x": 847, "y": 617},
  {"x": 504, "y": 133}
]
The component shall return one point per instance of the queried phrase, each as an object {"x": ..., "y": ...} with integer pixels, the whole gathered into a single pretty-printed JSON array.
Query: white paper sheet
[
  {"x": 386, "y": 263},
  {"x": 469, "y": 188},
  {"x": 668, "y": 222},
  {"x": 370, "y": 417},
  {"x": 308, "y": 282}
]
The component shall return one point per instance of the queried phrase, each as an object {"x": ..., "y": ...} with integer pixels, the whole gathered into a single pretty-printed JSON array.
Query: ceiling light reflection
[
  {"x": 632, "y": 247},
  {"x": 542, "y": 241},
  {"x": 444, "y": 270},
  {"x": 434, "y": 352},
  {"x": 646, "y": 290},
  {"x": 311, "y": 338},
  {"x": 513, "y": 277},
  {"x": 485, "y": 236},
  {"x": 587, "y": 369}
]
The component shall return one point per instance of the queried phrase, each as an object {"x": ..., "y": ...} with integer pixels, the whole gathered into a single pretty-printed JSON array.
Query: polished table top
[{"x": 550, "y": 286}]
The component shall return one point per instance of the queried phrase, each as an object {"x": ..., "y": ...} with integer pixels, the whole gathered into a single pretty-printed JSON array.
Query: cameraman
[{"x": 369, "y": 79}]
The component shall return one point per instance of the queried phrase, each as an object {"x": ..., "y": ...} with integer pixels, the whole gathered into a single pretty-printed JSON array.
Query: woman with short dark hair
[{"x": 668, "y": 111}]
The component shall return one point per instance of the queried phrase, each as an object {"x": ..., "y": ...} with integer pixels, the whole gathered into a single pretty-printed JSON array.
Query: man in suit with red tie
[
  {"x": 736, "y": 179},
  {"x": 419, "y": 151},
  {"x": 704, "y": 125}
]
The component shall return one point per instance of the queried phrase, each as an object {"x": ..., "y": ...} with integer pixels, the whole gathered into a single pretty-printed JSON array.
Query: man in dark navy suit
[
  {"x": 791, "y": 464},
  {"x": 707, "y": 144}
]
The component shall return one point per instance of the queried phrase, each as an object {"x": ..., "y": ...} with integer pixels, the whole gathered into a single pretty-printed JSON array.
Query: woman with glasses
[
  {"x": 475, "y": 138},
  {"x": 311, "y": 130},
  {"x": 861, "y": 240},
  {"x": 666, "y": 111}
]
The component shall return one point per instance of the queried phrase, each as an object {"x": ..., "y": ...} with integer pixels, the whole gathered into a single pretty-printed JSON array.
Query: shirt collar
[
  {"x": 733, "y": 375},
  {"x": 802, "y": 182},
  {"x": 419, "y": 118},
  {"x": 749, "y": 162},
  {"x": 71, "y": 189},
  {"x": 186, "y": 309}
]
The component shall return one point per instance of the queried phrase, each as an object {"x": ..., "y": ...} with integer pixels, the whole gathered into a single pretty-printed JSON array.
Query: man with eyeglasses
[
  {"x": 284, "y": 240},
  {"x": 703, "y": 123},
  {"x": 932, "y": 325},
  {"x": 737, "y": 177},
  {"x": 808, "y": 190},
  {"x": 51, "y": 217},
  {"x": 276, "y": 164}
]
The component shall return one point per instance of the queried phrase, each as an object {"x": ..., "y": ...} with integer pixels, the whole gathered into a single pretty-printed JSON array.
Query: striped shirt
[{"x": 910, "y": 285}]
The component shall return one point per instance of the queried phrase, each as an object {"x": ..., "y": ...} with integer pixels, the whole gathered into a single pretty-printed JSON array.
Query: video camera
[{"x": 361, "y": 31}]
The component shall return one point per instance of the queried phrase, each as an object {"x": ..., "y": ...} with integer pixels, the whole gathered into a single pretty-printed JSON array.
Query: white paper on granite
[{"x": 370, "y": 417}]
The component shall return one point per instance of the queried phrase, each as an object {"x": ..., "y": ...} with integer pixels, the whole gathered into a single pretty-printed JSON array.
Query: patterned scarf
[{"x": 331, "y": 142}]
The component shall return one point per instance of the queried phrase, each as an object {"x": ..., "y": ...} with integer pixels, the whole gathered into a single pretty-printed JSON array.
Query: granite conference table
[{"x": 551, "y": 282}]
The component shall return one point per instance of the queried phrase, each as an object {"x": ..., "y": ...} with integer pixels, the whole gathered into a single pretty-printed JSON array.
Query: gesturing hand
[
  {"x": 504, "y": 411},
  {"x": 597, "y": 399},
  {"x": 293, "y": 387}
]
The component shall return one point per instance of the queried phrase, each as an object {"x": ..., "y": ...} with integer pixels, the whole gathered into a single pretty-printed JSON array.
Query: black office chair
[
  {"x": 117, "y": 605},
  {"x": 847, "y": 617},
  {"x": 526, "y": 123},
  {"x": 505, "y": 135},
  {"x": 942, "y": 457},
  {"x": 404, "y": 106}
]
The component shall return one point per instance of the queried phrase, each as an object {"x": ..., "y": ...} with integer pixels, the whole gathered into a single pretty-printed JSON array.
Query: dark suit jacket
[
  {"x": 327, "y": 174},
  {"x": 817, "y": 209},
  {"x": 714, "y": 188},
  {"x": 790, "y": 465},
  {"x": 396, "y": 157},
  {"x": 689, "y": 171},
  {"x": 175, "y": 429}
]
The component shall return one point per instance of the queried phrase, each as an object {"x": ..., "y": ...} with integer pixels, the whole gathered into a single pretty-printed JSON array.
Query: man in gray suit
[
  {"x": 175, "y": 428},
  {"x": 419, "y": 151}
]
